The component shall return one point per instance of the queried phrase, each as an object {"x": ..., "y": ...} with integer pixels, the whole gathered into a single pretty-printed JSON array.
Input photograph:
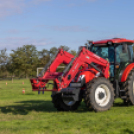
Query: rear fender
[{"x": 124, "y": 73}]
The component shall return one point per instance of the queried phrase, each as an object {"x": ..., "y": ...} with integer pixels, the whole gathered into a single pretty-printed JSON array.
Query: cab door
[{"x": 122, "y": 59}]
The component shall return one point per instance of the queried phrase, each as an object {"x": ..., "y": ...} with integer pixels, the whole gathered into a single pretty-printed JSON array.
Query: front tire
[
  {"x": 63, "y": 105},
  {"x": 99, "y": 94}
]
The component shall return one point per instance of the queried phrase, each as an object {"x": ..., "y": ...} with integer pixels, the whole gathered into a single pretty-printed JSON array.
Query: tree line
[{"x": 23, "y": 61}]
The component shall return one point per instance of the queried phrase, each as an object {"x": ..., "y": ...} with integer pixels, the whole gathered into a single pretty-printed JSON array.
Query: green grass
[{"x": 34, "y": 114}]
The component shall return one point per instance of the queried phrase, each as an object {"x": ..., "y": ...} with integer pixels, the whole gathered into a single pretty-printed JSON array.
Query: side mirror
[
  {"x": 86, "y": 45},
  {"x": 124, "y": 48}
]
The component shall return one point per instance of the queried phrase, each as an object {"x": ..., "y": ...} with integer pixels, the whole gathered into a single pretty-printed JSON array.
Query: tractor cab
[{"x": 118, "y": 52}]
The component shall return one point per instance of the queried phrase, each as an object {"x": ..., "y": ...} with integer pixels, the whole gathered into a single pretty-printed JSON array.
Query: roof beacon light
[{"x": 109, "y": 43}]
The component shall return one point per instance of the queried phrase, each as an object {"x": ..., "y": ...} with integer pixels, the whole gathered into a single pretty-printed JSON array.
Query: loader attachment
[
  {"x": 49, "y": 74},
  {"x": 73, "y": 64}
]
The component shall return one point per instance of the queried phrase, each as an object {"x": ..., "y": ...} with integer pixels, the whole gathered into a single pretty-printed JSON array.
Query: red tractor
[{"x": 100, "y": 72}]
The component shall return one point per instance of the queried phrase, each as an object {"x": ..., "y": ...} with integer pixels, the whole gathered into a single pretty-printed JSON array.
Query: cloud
[
  {"x": 9, "y": 7},
  {"x": 70, "y": 28},
  {"x": 38, "y": 1},
  {"x": 15, "y": 42},
  {"x": 73, "y": 28},
  {"x": 12, "y": 31},
  {"x": 75, "y": 3},
  {"x": 91, "y": 0},
  {"x": 116, "y": 35}
]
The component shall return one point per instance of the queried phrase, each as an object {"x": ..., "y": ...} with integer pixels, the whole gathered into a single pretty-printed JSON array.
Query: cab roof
[{"x": 114, "y": 40}]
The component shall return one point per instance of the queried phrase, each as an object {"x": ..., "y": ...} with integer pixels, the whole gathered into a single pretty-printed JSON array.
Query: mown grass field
[{"x": 34, "y": 114}]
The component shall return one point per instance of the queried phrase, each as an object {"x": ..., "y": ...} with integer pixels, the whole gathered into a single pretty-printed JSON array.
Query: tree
[
  {"x": 3, "y": 56},
  {"x": 65, "y": 48},
  {"x": 52, "y": 51},
  {"x": 73, "y": 52},
  {"x": 3, "y": 60},
  {"x": 10, "y": 67},
  {"x": 25, "y": 59},
  {"x": 43, "y": 57}
]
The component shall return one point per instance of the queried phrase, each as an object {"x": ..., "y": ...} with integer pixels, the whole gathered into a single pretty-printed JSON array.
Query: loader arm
[
  {"x": 63, "y": 79},
  {"x": 62, "y": 57},
  {"x": 49, "y": 71},
  {"x": 84, "y": 56}
]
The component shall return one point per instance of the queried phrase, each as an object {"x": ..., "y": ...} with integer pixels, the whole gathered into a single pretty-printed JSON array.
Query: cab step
[
  {"x": 122, "y": 91},
  {"x": 123, "y": 97}
]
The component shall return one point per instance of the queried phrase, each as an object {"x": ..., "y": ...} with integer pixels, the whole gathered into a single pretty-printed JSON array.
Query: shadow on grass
[
  {"x": 119, "y": 104},
  {"x": 128, "y": 131},
  {"x": 24, "y": 107}
]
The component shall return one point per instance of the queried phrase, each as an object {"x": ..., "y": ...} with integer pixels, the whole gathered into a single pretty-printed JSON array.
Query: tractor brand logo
[
  {"x": 76, "y": 66},
  {"x": 87, "y": 57}
]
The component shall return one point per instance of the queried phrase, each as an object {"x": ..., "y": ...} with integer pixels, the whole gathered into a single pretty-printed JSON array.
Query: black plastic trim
[
  {"x": 96, "y": 68},
  {"x": 70, "y": 93}
]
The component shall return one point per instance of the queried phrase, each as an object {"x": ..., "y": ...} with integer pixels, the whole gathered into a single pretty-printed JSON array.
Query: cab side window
[
  {"x": 120, "y": 56},
  {"x": 130, "y": 50}
]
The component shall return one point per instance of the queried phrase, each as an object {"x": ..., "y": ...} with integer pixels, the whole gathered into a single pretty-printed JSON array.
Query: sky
[{"x": 51, "y": 23}]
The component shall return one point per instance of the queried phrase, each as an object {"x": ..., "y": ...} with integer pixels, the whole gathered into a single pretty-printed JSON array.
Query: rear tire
[
  {"x": 99, "y": 94},
  {"x": 62, "y": 105},
  {"x": 128, "y": 86}
]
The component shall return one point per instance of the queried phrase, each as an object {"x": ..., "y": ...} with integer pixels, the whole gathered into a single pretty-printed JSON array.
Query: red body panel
[
  {"x": 89, "y": 74},
  {"x": 126, "y": 72}
]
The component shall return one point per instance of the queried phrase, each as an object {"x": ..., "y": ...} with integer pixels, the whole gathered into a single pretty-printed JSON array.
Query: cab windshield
[
  {"x": 105, "y": 52},
  {"x": 108, "y": 52}
]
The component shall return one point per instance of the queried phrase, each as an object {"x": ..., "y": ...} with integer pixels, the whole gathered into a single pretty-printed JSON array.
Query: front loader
[{"x": 98, "y": 73}]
